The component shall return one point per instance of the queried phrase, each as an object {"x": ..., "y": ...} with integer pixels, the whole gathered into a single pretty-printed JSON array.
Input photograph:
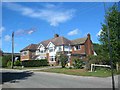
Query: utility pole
[
  {"x": 12, "y": 50},
  {"x": 110, "y": 49}
]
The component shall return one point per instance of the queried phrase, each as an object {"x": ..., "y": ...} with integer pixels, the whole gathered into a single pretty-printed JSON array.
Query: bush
[
  {"x": 34, "y": 63},
  {"x": 18, "y": 63},
  {"x": 63, "y": 59},
  {"x": 5, "y": 60},
  {"x": 9, "y": 63},
  {"x": 77, "y": 63}
]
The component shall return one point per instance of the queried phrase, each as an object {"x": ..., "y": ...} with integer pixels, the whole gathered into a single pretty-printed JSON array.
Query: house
[
  {"x": 48, "y": 49},
  {"x": 28, "y": 52},
  {"x": 1, "y": 53}
]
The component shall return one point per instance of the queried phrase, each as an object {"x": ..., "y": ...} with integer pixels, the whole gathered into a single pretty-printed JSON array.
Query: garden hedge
[{"x": 34, "y": 63}]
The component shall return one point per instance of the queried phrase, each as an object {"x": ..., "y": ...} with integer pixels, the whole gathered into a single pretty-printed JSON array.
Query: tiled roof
[
  {"x": 57, "y": 41},
  {"x": 45, "y": 43},
  {"x": 30, "y": 47},
  {"x": 79, "y": 41},
  {"x": 61, "y": 41}
]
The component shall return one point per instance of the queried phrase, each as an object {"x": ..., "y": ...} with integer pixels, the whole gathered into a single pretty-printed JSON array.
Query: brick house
[
  {"x": 28, "y": 52},
  {"x": 1, "y": 53},
  {"x": 48, "y": 49}
]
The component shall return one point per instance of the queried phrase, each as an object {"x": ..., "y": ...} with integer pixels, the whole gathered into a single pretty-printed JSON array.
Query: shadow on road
[{"x": 14, "y": 76}]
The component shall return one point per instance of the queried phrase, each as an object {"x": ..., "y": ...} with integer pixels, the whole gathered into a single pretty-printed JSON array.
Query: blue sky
[{"x": 34, "y": 22}]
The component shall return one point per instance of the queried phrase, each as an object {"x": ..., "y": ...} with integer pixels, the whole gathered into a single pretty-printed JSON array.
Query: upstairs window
[
  {"x": 42, "y": 51},
  {"x": 24, "y": 53},
  {"x": 77, "y": 47},
  {"x": 51, "y": 49}
]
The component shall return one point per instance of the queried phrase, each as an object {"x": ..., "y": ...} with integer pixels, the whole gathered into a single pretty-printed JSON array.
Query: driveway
[{"x": 28, "y": 79}]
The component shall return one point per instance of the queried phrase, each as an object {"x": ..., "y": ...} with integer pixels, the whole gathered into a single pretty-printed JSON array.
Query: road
[{"x": 27, "y": 79}]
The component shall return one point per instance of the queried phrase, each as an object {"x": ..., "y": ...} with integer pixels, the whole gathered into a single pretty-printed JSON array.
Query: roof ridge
[{"x": 79, "y": 38}]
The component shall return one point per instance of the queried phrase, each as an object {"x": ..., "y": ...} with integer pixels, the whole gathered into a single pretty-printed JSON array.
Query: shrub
[
  {"x": 77, "y": 63},
  {"x": 34, "y": 63},
  {"x": 9, "y": 63},
  {"x": 63, "y": 59},
  {"x": 5, "y": 59},
  {"x": 70, "y": 67},
  {"x": 17, "y": 63}
]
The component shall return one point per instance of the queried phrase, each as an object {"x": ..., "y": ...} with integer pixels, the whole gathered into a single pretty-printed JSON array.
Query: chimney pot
[
  {"x": 88, "y": 35},
  {"x": 56, "y": 35}
]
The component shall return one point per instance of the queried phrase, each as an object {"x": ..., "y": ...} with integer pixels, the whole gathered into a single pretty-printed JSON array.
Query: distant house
[
  {"x": 1, "y": 53},
  {"x": 48, "y": 49}
]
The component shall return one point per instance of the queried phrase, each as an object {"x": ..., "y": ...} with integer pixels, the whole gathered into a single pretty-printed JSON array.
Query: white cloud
[
  {"x": 98, "y": 34},
  {"x": 50, "y": 13},
  {"x": 2, "y": 29},
  {"x": 23, "y": 32},
  {"x": 73, "y": 32},
  {"x": 30, "y": 32},
  {"x": 7, "y": 38}
]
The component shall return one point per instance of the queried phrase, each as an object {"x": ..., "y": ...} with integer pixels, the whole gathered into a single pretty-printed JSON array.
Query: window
[
  {"x": 42, "y": 51},
  {"x": 52, "y": 58},
  {"x": 66, "y": 47},
  {"x": 77, "y": 47},
  {"x": 59, "y": 49},
  {"x": 51, "y": 49},
  {"x": 24, "y": 53}
]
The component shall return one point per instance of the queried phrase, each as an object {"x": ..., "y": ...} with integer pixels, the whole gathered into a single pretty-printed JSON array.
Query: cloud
[
  {"x": 73, "y": 32},
  {"x": 2, "y": 29},
  {"x": 50, "y": 13},
  {"x": 24, "y": 32},
  {"x": 7, "y": 38},
  {"x": 98, "y": 34}
]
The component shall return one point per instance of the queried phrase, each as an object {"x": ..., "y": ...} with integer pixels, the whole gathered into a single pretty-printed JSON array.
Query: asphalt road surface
[{"x": 27, "y": 79}]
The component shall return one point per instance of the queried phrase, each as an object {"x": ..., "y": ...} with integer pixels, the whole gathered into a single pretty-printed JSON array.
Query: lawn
[{"x": 80, "y": 72}]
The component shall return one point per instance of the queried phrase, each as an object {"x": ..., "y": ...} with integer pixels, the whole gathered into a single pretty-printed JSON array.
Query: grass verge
[{"x": 79, "y": 72}]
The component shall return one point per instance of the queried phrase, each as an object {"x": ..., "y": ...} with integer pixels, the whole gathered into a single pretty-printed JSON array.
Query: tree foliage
[
  {"x": 97, "y": 48},
  {"x": 114, "y": 27},
  {"x": 63, "y": 59},
  {"x": 5, "y": 59}
]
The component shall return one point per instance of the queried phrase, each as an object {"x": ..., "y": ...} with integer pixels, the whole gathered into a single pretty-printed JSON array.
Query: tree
[
  {"x": 114, "y": 27},
  {"x": 63, "y": 59},
  {"x": 97, "y": 48}
]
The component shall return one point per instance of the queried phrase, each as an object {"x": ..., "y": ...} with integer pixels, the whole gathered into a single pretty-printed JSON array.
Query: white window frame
[{"x": 78, "y": 46}]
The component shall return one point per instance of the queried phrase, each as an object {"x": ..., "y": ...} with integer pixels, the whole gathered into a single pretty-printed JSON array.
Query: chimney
[
  {"x": 88, "y": 35},
  {"x": 56, "y": 35}
]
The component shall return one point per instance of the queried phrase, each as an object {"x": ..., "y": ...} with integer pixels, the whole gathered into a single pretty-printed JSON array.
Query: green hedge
[
  {"x": 34, "y": 63},
  {"x": 17, "y": 63}
]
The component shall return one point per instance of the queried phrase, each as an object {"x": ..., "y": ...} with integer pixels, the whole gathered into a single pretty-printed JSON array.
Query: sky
[{"x": 33, "y": 22}]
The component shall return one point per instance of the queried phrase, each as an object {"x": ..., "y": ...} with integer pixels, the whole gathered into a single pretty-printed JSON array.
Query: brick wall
[
  {"x": 1, "y": 53},
  {"x": 89, "y": 46},
  {"x": 47, "y": 56}
]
